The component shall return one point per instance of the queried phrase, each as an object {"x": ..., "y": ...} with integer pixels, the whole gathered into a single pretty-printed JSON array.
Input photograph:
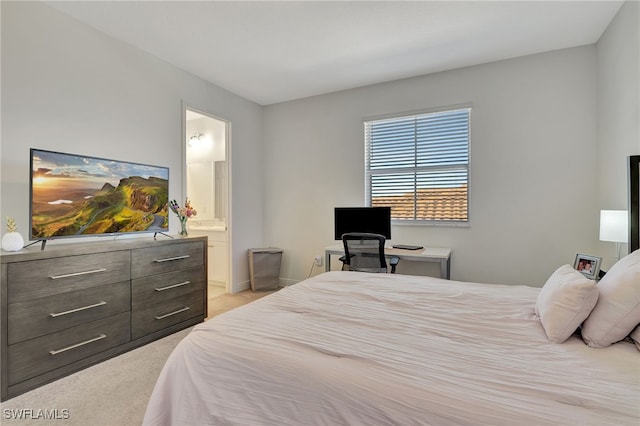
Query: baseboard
[
  {"x": 241, "y": 286},
  {"x": 287, "y": 281}
]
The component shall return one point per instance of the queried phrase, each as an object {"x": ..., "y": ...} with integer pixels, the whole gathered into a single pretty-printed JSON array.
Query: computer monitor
[{"x": 375, "y": 220}]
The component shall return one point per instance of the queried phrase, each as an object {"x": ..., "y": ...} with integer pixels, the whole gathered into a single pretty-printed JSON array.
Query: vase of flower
[
  {"x": 12, "y": 240},
  {"x": 183, "y": 213},
  {"x": 183, "y": 226}
]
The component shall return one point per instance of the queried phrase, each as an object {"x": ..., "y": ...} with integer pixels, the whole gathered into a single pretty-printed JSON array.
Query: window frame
[{"x": 368, "y": 173}]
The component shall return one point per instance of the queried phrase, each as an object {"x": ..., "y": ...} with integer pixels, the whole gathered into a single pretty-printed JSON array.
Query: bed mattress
[{"x": 351, "y": 348}]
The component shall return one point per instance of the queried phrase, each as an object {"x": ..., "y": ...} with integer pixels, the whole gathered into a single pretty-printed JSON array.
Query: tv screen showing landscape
[{"x": 77, "y": 195}]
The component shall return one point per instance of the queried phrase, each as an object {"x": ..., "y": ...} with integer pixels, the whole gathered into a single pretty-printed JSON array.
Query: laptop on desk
[{"x": 407, "y": 247}]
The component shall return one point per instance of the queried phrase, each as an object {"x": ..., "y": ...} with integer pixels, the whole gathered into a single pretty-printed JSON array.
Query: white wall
[
  {"x": 538, "y": 173},
  {"x": 618, "y": 52},
  {"x": 68, "y": 87},
  {"x": 533, "y": 186}
]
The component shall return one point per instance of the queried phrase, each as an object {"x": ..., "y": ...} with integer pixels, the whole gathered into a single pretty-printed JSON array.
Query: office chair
[{"x": 364, "y": 252}]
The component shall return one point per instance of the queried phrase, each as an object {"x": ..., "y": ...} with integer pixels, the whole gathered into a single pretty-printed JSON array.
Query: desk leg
[
  {"x": 445, "y": 268},
  {"x": 327, "y": 261}
]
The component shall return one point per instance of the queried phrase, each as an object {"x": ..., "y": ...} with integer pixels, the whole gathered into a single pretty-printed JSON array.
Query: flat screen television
[
  {"x": 633, "y": 175},
  {"x": 74, "y": 195},
  {"x": 375, "y": 220}
]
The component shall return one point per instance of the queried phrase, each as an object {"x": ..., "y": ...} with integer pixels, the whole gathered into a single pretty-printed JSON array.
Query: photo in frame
[{"x": 587, "y": 265}]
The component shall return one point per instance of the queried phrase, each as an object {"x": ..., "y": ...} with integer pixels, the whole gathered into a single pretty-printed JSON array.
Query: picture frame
[{"x": 588, "y": 265}]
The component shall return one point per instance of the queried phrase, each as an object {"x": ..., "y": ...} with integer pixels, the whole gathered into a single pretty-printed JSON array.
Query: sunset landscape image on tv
[{"x": 74, "y": 195}]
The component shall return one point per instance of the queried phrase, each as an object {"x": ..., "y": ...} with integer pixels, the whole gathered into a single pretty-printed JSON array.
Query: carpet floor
[{"x": 112, "y": 393}]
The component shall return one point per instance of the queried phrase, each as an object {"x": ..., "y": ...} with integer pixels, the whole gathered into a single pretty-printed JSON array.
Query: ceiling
[{"x": 275, "y": 51}]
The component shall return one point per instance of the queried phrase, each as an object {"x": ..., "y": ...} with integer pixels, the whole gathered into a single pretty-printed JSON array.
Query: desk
[{"x": 428, "y": 254}]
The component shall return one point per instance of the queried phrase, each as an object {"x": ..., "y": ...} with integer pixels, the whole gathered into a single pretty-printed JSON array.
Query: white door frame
[{"x": 228, "y": 155}]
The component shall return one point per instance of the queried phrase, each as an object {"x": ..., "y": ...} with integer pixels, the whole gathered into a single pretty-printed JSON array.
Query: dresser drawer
[
  {"x": 46, "y": 277},
  {"x": 38, "y": 317},
  {"x": 150, "y": 290},
  {"x": 36, "y": 356},
  {"x": 166, "y": 258},
  {"x": 166, "y": 313}
]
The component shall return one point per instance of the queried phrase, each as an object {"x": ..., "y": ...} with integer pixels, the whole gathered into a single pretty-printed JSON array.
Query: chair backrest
[{"x": 364, "y": 252}]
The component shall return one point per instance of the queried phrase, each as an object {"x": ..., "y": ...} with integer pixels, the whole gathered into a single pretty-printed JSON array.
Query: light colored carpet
[{"x": 112, "y": 393}]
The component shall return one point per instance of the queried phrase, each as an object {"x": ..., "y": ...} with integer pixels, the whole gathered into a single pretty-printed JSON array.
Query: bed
[{"x": 352, "y": 348}]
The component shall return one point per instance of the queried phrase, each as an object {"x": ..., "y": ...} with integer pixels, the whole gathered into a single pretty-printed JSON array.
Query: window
[{"x": 419, "y": 166}]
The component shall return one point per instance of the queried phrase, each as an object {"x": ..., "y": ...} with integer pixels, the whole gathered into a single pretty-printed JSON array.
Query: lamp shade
[{"x": 614, "y": 226}]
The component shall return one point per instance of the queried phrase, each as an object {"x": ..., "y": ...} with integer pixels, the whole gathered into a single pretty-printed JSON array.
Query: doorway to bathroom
[{"x": 207, "y": 188}]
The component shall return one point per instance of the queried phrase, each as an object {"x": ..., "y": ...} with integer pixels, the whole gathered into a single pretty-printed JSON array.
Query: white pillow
[
  {"x": 635, "y": 336},
  {"x": 617, "y": 312},
  {"x": 564, "y": 302}
]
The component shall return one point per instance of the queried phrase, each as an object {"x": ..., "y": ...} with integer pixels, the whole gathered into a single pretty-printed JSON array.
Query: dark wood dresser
[{"x": 73, "y": 305}]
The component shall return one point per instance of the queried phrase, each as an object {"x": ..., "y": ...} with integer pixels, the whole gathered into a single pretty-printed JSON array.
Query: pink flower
[{"x": 183, "y": 212}]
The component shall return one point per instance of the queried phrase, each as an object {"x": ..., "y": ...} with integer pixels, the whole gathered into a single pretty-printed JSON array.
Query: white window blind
[{"x": 419, "y": 165}]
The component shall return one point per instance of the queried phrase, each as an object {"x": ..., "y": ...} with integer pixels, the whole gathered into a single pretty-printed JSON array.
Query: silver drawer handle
[
  {"x": 168, "y": 259},
  {"x": 57, "y": 314},
  {"x": 75, "y": 274},
  {"x": 186, "y": 308},
  {"x": 95, "y": 339},
  {"x": 172, "y": 286}
]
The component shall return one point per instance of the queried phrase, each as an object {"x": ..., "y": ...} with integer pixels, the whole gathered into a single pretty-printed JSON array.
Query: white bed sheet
[{"x": 381, "y": 349}]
